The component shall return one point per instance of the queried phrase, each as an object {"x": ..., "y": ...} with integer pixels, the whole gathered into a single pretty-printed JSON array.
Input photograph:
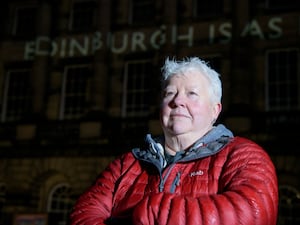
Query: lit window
[
  {"x": 283, "y": 80},
  {"x": 136, "y": 98},
  {"x": 74, "y": 91},
  {"x": 60, "y": 204},
  {"x": 17, "y": 95}
]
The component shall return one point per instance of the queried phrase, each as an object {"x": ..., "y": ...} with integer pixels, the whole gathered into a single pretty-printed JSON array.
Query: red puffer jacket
[{"x": 227, "y": 181}]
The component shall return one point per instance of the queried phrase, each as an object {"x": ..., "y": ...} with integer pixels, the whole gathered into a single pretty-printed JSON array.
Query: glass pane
[
  {"x": 19, "y": 96},
  {"x": 283, "y": 80},
  {"x": 138, "y": 88},
  {"x": 75, "y": 91}
]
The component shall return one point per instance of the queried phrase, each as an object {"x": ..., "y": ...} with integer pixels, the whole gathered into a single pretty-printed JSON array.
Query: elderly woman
[{"x": 195, "y": 173}]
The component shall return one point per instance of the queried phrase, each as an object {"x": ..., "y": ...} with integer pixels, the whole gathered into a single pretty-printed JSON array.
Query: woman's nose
[{"x": 178, "y": 99}]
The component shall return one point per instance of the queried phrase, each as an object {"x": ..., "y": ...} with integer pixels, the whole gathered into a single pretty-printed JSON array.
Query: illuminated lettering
[
  {"x": 274, "y": 25},
  {"x": 158, "y": 38},
  {"x": 225, "y": 30},
  {"x": 138, "y": 40},
  {"x": 188, "y": 36},
  {"x": 29, "y": 50},
  {"x": 96, "y": 42},
  {"x": 121, "y": 42},
  {"x": 253, "y": 29},
  {"x": 42, "y": 42},
  {"x": 211, "y": 33},
  {"x": 75, "y": 45},
  {"x": 54, "y": 48},
  {"x": 123, "y": 46},
  {"x": 63, "y": 47}
]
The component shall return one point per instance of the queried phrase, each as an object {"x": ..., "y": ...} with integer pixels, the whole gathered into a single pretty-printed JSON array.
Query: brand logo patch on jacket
[{"x": 197, "y": 173}]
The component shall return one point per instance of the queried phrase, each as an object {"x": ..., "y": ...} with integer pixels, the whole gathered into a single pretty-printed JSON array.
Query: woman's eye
[
  {"x": 169, "y": 93},
  {"x": 193, "y": 93}
]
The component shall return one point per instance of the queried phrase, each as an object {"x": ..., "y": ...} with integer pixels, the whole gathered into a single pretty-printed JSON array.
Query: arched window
[
  {"x": 289, "y": 205},
  {"x": 60, "y": 204}
]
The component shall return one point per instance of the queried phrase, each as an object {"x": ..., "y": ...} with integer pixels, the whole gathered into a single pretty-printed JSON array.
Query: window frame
[
  {"x": 289, "y": 105},
  {"x": 6, "y": 95},
  {"x": 126, "y": 91},
  {"x": 63, "y": 104},
  {"x": 16, "y": 22},
  {"x": 65, "y": 200}
]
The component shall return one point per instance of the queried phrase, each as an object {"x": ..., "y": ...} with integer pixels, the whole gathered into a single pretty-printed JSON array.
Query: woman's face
[{"x": 186, "y": 106}]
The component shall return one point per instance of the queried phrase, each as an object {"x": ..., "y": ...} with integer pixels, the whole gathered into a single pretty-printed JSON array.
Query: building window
[
  {"x": 17, "y": 102},
  {"x": 74, "y": 91},
  {"x": 142, "y": 11},
  {"x": 289, "y": 205},
  {"x": 60, "y": 204},
  {"x": 25, "y": 21},
  {"x": 283, "y": 80},
  {"x": 209, "y": 8},
  {"x": 136, "y": 98},
  {"x": 83, "y": 16}
]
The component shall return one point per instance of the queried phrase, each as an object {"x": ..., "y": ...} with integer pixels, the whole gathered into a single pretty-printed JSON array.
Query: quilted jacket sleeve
[
  {"x": 95, "y": 205},
  {"x": 248, "y": 195}
]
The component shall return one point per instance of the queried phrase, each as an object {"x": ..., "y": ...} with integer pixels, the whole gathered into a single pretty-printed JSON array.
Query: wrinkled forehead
[{"x": 187, "y": 73}]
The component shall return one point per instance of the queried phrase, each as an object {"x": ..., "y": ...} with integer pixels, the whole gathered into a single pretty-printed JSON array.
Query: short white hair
[{"x": 176, "y": 67}]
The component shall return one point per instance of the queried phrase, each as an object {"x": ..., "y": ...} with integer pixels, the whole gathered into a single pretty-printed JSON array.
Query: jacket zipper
[
  {"x": 175, "y": 182},
  {"x": 163, "y": 179}
]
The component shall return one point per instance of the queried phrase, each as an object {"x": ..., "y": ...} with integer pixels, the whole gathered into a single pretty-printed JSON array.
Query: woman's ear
[{"x": 216, "y": 111}]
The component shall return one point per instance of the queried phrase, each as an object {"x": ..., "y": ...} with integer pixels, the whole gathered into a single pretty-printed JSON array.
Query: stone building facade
[{"x": 79, "y": 85}]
